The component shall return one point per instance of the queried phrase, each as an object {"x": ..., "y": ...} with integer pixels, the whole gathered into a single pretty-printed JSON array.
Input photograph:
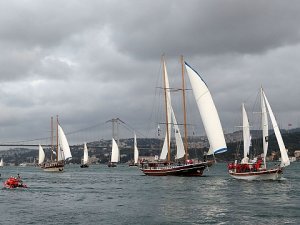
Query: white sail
[
  {"x": 246, "y": 132},
  {"x": 208, "y": 112},
  {"x": 264, "y": 127},
  {"x": 41, "y": 155},
  {"x": 178, "y": 139},
  {"x": 63, "y": 144},
  {"x": 136, "y": 151},
  {"x": 164, "y": 151},
  {"x": 1, "y": 163},
  {"x": 284, "y": 156},
  {"x": 115, "y": 154},
  {"x": 85, "y": 154}
]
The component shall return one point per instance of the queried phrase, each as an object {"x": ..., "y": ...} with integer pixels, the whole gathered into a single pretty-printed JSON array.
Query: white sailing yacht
[
  {"x": 85, "y": 159},
  {"x": 211, "y": 123},
  {"x": 135, "y": 152},
  {"x": 257, "y": 170},
  {"x": 1, "y": 162},
  {"x": 115, "y": 154},
  {"x": 41, "y": 155},
  {"x": 62, "y": 153}
]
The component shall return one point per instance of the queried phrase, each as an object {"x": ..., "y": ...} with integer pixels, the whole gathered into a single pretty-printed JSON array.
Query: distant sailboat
[
  {"x": 41, "y": 155},
  {"x": 1, "y": 162},
  {"x": 115, "y": 154},
  {"x": 211, "y": 123},
  {"x": 135, "y": 152},
  {"x": 257, "y": 169},
  {"x": 62, "y": 153},
  {"x": 85, "y": 159}
]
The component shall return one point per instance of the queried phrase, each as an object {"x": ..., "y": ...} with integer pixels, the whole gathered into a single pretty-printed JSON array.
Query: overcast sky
[{"x": 91, "y": 61}]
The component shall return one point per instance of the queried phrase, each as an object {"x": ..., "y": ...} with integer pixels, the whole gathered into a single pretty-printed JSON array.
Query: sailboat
[
  {"x": 62, "y": 150},
  {"x": 1, "y": 162},
  {"x": 41, "y": 155},
  {"x": 211, "y": 123},
  {"x": 85, "y": 159},
  {"x": 135, "y": 152},
  {"x": 115, "y": 154},
  {"x": 257, "y": 169}
]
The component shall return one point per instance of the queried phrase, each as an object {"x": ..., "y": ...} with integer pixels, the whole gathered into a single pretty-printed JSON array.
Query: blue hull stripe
[{"x": 220, "y": 150}]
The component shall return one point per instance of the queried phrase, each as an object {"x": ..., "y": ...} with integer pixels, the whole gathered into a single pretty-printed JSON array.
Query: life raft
[{"x": 14, "y": 182}]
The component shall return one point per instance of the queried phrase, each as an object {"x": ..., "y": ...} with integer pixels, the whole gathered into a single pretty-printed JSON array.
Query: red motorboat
[{"x": 14, "y": 182}]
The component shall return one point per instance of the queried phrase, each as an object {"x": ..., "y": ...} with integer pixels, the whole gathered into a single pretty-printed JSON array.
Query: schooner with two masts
[{"x": 211, "y": 122}]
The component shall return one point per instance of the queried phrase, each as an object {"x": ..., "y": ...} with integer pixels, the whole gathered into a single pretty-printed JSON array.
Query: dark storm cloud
[{"x": 205, "y": 27}]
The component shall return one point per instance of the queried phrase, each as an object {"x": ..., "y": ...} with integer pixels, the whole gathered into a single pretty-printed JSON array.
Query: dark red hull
[{"x": 175, "y": 170}]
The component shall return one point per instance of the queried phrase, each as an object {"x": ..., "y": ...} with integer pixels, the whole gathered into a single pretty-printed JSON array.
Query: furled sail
[
  {"x": 115, "y": 154},
  {"x": 284, "y": 156},
  {"x": 41, "y": 155},
  {"x": 208, "y": 112}
]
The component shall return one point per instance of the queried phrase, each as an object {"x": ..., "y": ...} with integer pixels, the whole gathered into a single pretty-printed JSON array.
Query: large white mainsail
[
  {"x": 136, "y": 151},
  {"x": 208, "y": 112},
  {"x": 1, "y": 163},
  {"x": 115, "y": 154},
  {"x": 41, "y": 155},
  {"x": 284, "y": 156},
  {"x": 167, "y": 141},
  {"x": 246, "y": 132},
  {"x": 63, "y": 144},
  {"x": 264, "y": 127},
  {"x": 85, "y": 154}
]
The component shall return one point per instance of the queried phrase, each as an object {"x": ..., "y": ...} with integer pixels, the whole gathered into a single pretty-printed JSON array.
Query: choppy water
[{"x": 123, "y": 195}]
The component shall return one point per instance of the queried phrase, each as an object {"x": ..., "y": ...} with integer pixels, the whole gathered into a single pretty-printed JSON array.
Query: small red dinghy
[{"x": 14, "y": 182}]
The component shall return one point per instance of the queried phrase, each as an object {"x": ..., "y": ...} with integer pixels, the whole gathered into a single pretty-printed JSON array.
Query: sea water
[{"x": 123, "y": 195}]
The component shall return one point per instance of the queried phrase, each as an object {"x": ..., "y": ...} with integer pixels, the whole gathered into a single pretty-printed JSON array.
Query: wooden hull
[
  {"x": 53, "y": 167},
  {"x": 271, "y": 174},
  {"x": 176, "y": 170}
]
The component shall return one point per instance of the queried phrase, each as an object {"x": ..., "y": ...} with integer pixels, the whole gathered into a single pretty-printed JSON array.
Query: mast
[
  {"x": 166, "y": 109},
  {"x": 57, "y": 138},
  {"x": 184, "y": 111},
  {"x": 51, "y": 138}
]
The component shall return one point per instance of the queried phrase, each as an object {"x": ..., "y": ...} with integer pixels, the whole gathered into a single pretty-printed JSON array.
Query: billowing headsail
[
  {"x": 115, "y": 154},
  {"x": 246, "y": 132},
  {"x": 136, "y": 151},
  {"x": 85, "y": 154},
  {"x": 41, "y": 155},
  {"x": 208, "y": 112},
  {"x": 63, "y": 144},
  {"x": 284, "y": 156}
]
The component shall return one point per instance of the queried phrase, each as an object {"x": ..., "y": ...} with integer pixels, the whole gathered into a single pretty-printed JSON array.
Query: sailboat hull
[
  {"x": 84, "y": 166},
  {"x": 53, "y": 167},
  {"x": 271, "y": 174},
  {"x": 153, "y": 169}
]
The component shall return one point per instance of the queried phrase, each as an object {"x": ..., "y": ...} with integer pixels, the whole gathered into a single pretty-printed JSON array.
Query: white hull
[
  {"x": 54, "y": 169},
  {"x": 272, "y": 174}
]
